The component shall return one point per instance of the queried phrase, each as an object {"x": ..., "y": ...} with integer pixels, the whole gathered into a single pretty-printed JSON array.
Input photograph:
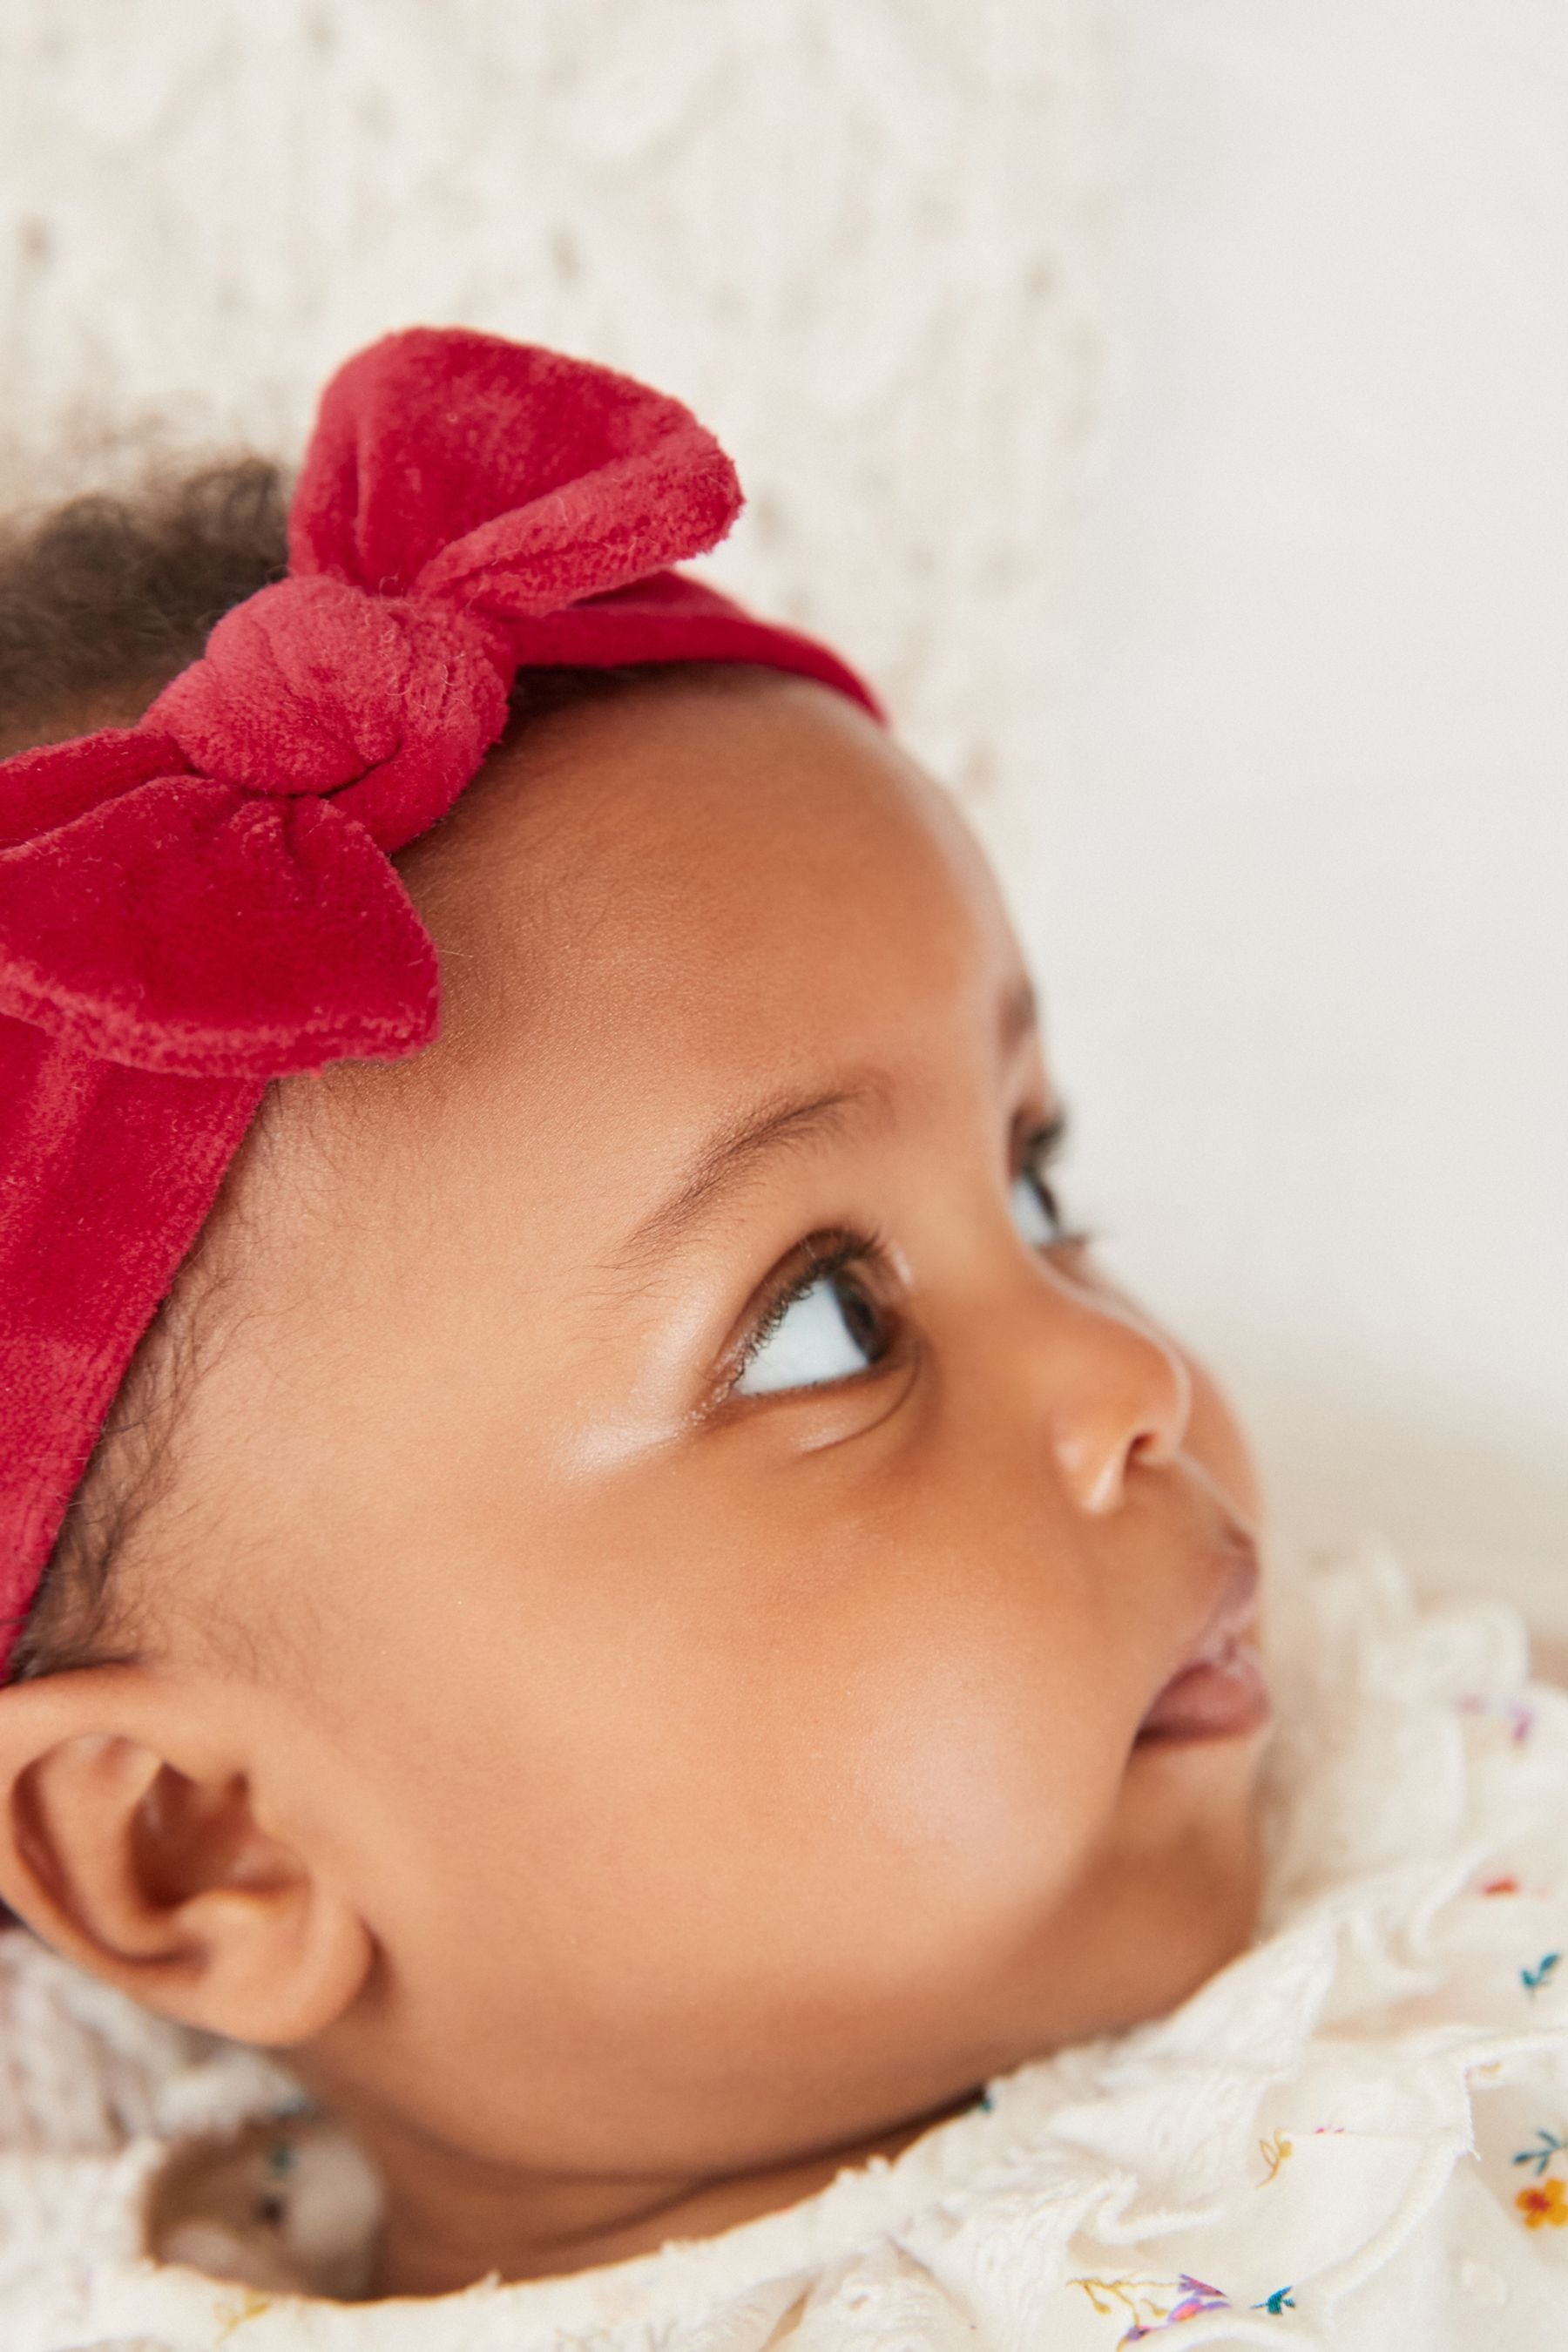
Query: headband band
[{"x": 198, "y": 904}]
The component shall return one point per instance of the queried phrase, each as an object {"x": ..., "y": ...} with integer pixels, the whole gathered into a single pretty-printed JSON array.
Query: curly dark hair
[{"x": 104, "y": 599}]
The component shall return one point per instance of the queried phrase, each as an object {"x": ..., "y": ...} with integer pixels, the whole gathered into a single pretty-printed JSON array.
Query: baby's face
[{"x": 707, "y": 1539}]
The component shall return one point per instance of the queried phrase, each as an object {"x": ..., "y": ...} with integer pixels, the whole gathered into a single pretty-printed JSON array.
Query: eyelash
[
  {"x": 1039, "y": 1150},
  {"x": 817, "y": 1259},
  {"x": 822, "y": 1255}
]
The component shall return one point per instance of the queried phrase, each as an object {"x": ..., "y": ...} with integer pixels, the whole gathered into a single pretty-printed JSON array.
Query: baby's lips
[
  {"x": 1217, "y": 1689},
  {"x": 1221, "y": 1697}
]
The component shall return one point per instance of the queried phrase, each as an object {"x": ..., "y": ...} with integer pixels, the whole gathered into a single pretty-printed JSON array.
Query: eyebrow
[
  {"x": 775, "y": 1126},
  {"x": 784, "y": 1123}
]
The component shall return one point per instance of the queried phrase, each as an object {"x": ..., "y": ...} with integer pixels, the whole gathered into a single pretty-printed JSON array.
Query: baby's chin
[{"x": 1176, "y": 1897}]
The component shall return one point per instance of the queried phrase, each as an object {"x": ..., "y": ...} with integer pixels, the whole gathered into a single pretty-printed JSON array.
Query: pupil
[{"x": 861, "y": 1320}]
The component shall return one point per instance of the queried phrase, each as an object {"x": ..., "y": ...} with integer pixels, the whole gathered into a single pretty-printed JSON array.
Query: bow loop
[
  {"x": 59, "y": 781},
  {"x": 441, "y": 455},
  {"x": 204, "y": 931}
]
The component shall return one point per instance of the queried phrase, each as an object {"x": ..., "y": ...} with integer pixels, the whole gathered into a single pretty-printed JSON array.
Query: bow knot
[{"x": 315, "y": 686}]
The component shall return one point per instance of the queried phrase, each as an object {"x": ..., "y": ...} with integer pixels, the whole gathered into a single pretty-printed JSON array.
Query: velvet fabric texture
[{"x": 197, "y": 905}]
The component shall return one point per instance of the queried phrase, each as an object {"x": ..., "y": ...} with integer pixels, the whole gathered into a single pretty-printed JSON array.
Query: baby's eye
[
  {"x": 1037, "y": 1212},
  {"x": 830, "y": 1330}
]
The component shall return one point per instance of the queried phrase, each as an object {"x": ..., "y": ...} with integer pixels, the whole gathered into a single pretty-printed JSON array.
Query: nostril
[
  {"x": 1156, "y": 1447},
  {"x": 1128, "y": 1405},
  {"x": 1150, "y": 1450}
]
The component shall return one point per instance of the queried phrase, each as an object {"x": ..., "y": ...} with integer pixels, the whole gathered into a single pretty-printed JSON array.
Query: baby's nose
[{"x": 1116, "y": 1392}]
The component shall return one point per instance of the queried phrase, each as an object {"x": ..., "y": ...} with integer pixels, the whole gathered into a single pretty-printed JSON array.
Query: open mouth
[{"x": 1217, "y": 1692}]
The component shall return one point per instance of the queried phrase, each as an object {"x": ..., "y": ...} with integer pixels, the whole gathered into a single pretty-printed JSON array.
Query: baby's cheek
[{"x": 979, "y": 1769}]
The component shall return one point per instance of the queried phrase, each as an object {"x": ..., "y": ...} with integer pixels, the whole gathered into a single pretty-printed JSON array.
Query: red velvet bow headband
[{"x": 205, "y": 901}]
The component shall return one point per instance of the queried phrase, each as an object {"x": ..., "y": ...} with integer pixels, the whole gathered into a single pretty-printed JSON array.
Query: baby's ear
[{"x": 129, "y": 1840}]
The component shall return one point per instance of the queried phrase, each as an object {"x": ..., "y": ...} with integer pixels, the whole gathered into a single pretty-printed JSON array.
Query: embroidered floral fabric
[{"x": 1357, "y": 2134}]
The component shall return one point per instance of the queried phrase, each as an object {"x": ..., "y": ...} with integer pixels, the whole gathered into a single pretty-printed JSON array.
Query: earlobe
[{"x": 132, "y": 1845}]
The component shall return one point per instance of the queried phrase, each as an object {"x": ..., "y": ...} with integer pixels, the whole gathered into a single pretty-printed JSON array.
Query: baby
[{"x": 644, "y": 1614}]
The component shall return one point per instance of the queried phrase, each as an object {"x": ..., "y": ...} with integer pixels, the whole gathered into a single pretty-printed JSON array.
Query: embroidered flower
[
  {"x": 1548, "y": 2144},
  {"x": 1544, "y": 2206},
  {"x": 1195, "y": 2297},
  {"x": 1142, "y": 2301},
  {"x": 1511, "y": 1716}
]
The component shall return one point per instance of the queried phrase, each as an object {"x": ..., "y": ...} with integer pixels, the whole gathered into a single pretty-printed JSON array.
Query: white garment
[{"x": 1356, "y": 2135}]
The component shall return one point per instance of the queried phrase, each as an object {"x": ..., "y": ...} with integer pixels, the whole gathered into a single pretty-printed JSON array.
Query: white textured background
[
  {"x": 867, "y": 242},
  {"x": 1308, "y": 878},
  {"x": 1286, "y": 820}
]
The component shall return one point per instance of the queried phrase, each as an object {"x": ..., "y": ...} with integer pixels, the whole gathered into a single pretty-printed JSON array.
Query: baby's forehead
[{"x": 695, "y": 852}]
